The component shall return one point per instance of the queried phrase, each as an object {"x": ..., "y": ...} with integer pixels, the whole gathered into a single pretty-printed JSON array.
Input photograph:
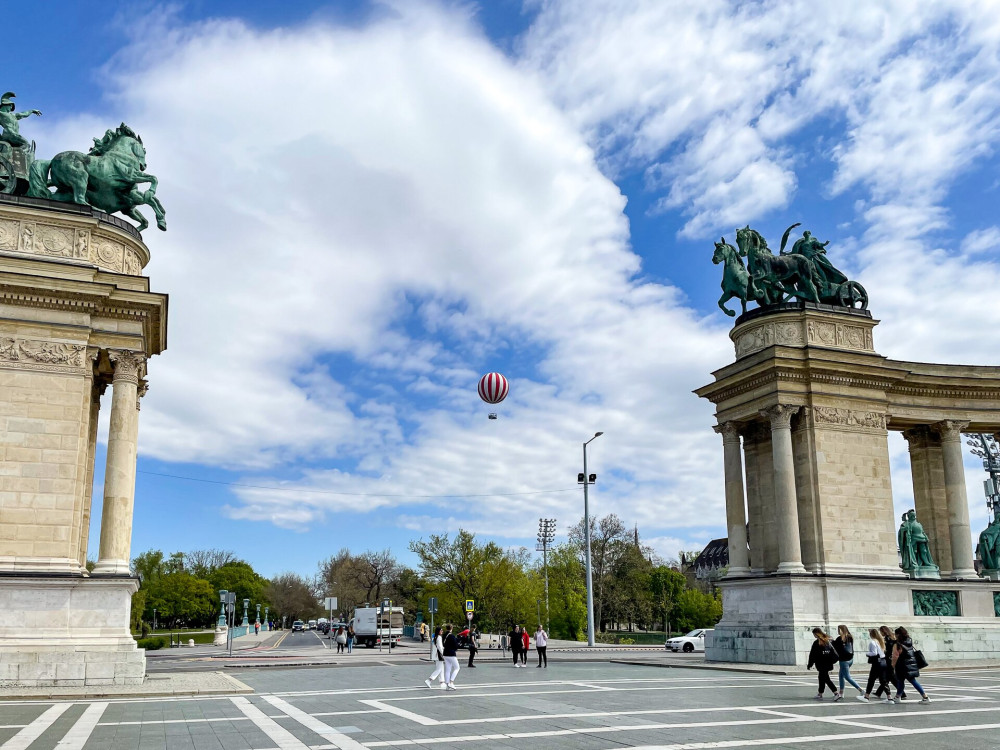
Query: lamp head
[{"x": 598, "y": 434}]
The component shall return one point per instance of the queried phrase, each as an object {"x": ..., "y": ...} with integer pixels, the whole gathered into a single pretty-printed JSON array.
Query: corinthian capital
[
  {"x": 729, "y": 430},
  {"x": 129, "y": 365},
  {"x": 950, "y": 429},
  {"x": 780, "y": 415}
]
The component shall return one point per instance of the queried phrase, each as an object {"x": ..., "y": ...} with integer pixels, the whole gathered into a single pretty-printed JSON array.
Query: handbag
[{"x": 919, "y": 656}]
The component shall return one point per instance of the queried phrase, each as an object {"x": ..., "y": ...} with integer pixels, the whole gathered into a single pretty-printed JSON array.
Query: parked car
[
  {"x": 693, "y": 641},
  {"x": 298, "y": 626},
  {"x": 312, "y": 624},
  {"x": 323, "y": 627}
]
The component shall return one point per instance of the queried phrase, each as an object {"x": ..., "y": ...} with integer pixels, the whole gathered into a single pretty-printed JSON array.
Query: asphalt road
[{"x": 569, "y": 706}]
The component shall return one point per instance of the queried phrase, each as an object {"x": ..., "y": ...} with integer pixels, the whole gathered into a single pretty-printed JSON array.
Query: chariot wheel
[
  {"x": 852, "y": 294},
  {"x": 8, "y": 179}
]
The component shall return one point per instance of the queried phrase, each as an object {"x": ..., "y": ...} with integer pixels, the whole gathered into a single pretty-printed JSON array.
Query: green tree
[
  {"x": 180, "y": 600},
  {"x": 666, "y": 586},
  {"x": 291, "y": 598},
  {"x": 567, "y": 593},
  {"x": 697, "y": 610},
  {"x": 241, "y": 578}
]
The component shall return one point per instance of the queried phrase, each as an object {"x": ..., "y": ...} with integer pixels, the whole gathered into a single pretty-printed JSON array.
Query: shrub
[{"x": 151, "y": 644}]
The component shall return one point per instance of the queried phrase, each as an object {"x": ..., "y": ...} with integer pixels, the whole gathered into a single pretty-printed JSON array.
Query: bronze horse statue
[
  {"x": 777, "y": 275},
  {"x": 106, "y": 177}
]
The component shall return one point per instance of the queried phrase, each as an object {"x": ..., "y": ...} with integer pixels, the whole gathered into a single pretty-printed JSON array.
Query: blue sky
[{"x": 372, "y": 204}]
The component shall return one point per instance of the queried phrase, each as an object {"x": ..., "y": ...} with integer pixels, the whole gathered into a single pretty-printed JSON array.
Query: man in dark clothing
[
  {"x": 473, "y": 646},
  {"x": 514, "y": 638}
]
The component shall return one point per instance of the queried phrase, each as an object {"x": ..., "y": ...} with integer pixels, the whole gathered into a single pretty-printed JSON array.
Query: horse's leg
[
  {"x": 726, "y": 296},
  {"x": 131, "y": 212},
  {"x": 161, "y": 213}
]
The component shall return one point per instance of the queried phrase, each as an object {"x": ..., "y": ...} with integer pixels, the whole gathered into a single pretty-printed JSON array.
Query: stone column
[
  {"x": 958, "y": 500},
  {"x": 929, "y": 495},
  {"x": 119, "y": 476},
  {"x": 736, "y": 520},
  {"x": 95, "y": 409},
  {"x": 786, "y": 506}
]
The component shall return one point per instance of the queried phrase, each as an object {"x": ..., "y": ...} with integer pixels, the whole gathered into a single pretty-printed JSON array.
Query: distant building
[{"x": 709, "y": 566}]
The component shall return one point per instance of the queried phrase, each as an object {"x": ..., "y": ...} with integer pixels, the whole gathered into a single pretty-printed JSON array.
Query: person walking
[
  {"x": 844, "y": 646},
  {"x": 473, "y": 646},
  {"x": 515, "y": 644},
  {"x": 904, "y": 663},
  {"x": 823, "y": 656},
  {"x": 877, "y": 669},
  {"x": 890, "y": 673},
  {"x": 541, "y": 641},
  {"x": 438, "y": 654},
  {"x": 451, "y": 665},
  {"x": 525, "y": 643}
]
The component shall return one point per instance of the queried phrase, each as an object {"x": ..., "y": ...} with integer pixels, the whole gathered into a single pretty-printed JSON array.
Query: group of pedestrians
[
  {"x": 891, "y": 655},
  {"x": 445, "y": 653},
  {"x": 345, "y": 639}
]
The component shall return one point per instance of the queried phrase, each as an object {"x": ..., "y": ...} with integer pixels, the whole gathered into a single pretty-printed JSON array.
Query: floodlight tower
[
  {"x": 546, "y": 535},
  {"x": 986, "y": 447}
]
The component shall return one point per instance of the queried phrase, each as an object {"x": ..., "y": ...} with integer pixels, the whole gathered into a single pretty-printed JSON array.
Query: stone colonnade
[
  {"x": 128, "y": 385},
  {"x": 938, "y": 487}
]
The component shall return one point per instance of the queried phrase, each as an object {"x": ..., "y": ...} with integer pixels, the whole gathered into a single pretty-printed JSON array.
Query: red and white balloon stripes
[{"x": 493, "y": 388}]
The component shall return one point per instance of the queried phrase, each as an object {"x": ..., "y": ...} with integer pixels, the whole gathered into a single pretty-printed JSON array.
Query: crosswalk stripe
[
  {"x": 80, "y": 732},
  {"x": 328, "y": 733},
  {"x": 281, "y": 737},
  {"x": 33, "y": 731}
]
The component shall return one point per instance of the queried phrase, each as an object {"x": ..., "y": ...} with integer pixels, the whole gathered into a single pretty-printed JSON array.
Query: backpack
[{"x": 828, "y": 655}]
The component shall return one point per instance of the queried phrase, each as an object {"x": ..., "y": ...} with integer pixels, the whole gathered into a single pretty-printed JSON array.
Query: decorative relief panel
[
  {"x": 935, "y": 603},
  {"x": 9, "y": 234},
  {"x": 108, "y": 253},
  {"x": 30, "y": 351},
  {"x": 133, "y": 266},
  {"x": 81, "y": 248},
  {"x": 848, "y": 417},
  {"x": 26, "y": 240},
  {"x": 767, "y": 334},
  {"x": 813, "y": 332},
  {"x": 55, "y": 240}
]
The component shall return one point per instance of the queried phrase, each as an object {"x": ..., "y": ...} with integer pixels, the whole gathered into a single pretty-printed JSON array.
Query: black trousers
[
  {"x": 524, "y": 656},
  {"x": 472, "y": 655},
  {"x": 541, "y": 656},
  {"x": 824, "y": 680},
  {"x": 876, "y": 672},
  {"x": 517, "y": 654}
]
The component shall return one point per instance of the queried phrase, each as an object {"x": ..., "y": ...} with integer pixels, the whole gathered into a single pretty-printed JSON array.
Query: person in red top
[{"x": 525, "y": 641}]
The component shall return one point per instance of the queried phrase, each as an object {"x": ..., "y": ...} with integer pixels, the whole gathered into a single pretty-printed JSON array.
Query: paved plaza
[{"x": 577, "y": 705}]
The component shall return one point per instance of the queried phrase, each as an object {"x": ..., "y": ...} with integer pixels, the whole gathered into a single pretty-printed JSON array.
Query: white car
[{"x": 693, "y": 641}]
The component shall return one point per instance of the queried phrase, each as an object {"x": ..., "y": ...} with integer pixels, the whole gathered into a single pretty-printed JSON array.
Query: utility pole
[
  {"x": 546, "y": 534},
  {"x": 586, "y": 480}
]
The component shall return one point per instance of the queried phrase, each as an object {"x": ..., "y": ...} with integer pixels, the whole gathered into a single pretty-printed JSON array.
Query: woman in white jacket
[
  {"x": 438, "y": 661},
  {"x": 876, "y": 657}
]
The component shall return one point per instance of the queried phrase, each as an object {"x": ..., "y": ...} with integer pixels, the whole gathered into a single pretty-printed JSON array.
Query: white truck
[{"x": 369, "y": 631}]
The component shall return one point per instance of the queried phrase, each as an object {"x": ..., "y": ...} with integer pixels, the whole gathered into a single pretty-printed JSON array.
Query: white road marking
[
  {"x": 823, "y": 719},
  {"x": 80, "y": 732},
  {"x": 417, "y": 718},
  {"x": 281, "y": 737},
  {"x": 33, "y": 731},
  {"x": 328, "y": 733}
]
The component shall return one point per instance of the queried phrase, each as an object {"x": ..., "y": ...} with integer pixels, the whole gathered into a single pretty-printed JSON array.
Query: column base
[
  {"x": 112, "y": 568},
  {"x": 791, "y": 567},
  {"x": 964, "y": 573},
  {"x": 734, "y": 572},
  {"x": 67, "y": 632}
]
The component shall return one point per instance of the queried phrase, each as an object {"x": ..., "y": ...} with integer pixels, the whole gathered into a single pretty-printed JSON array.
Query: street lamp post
[
  {"x": 267, "y": 625},
  {"x": 985, "y": 446},
  {"x": 246, "y": 616},
  {"x": 586, "y": 480},
  {"x": 154, "y": 619},
  {"x": 546, "y": 533},
  {"x": 223, "y": 598}
]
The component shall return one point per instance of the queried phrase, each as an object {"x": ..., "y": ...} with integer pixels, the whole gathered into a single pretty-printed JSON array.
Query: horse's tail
[
  {"x": 784, "y": 237},
  {"x": 38, "y": 178}
]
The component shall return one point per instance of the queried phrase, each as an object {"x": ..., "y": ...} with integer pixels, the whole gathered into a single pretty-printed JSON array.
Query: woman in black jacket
[
  {"x": 515, "y": 644},
  {"x": 823, "y": 656},
  {"x": 904, "y": 662},
  {"x": 844, "y": 646},
  {"x": 890, "y": 673}
]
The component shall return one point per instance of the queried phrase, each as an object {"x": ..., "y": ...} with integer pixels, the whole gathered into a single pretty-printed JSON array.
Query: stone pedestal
[
  {"x": 73, "y": 305},
  {"x": 770, "y": 620}
]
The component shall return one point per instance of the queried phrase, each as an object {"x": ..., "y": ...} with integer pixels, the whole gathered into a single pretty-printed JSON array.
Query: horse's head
[
  {"x": 122, "y": 141},
  {"x": 722, "y": 250}
]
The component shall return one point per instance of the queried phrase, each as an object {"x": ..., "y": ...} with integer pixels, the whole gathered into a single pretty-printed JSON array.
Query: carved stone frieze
[
  {"x": 108, "y": 253},
  {"x": 9, "y": 234},
  {"x": 55, "y": 240},
  {"x": 848, "y": 417},
  {"x": 801, "y": 332},
  {"x": 26, "y": 240},
  {"x": 81, "y": 248},
  {"x": 129, "y": 365},
  {"x": 30, "y": 351}
]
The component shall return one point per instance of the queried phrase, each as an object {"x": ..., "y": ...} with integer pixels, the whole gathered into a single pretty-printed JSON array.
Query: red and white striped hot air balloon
[{"x": 493, "y": 388}]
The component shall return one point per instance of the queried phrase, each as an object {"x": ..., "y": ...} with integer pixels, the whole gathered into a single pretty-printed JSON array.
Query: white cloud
[{"x": 358, "y": 219}]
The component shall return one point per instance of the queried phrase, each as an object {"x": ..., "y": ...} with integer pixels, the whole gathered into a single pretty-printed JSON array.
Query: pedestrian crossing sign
[{"x": 470, "y": 605}]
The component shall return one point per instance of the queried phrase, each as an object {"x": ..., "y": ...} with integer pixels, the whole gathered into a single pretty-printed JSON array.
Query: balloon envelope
[{"x": 493, "y": 388}]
